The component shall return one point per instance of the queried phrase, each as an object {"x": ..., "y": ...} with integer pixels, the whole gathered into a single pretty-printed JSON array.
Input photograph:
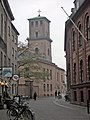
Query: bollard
[{"x": 88, "y": 106}]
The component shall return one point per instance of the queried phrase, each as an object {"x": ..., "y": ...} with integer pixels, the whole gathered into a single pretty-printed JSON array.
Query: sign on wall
[{"x": 7, "y": 72}]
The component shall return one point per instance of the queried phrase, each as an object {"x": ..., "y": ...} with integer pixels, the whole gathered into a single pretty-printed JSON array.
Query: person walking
[
  {"x": 56, "y": 94},
  {"x": 35, "y": 96}
]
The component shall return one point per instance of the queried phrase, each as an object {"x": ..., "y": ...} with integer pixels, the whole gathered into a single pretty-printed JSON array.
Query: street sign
[
  {"x": 7, "y": 72},
  {"x": 15, "y": 77}
]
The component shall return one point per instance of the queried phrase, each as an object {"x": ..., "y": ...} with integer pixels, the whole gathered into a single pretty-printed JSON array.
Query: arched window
[
  {"x": 74, "y": 75},
  {"x": 81, "y": 71},
  {"x": 73, "y": 40},
  {"x": 89, "y": 68},
  {"x": 36, "y": 50},
  {"x": 80, "y": 36},
  {"x": 88, "y": 27}
]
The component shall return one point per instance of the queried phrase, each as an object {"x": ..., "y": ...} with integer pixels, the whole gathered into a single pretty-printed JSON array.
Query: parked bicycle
[{"x": 20, "y": 111}]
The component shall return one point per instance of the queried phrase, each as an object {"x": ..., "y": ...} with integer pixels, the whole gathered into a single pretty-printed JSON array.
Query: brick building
[{"x": 78, "y": 52}]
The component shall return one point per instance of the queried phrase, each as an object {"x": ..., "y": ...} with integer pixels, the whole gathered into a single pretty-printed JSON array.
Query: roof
[
  {"x": 38, "y": 18},
  {"x": 15, "y": 29},
  {"x": 8, "y": 9}
]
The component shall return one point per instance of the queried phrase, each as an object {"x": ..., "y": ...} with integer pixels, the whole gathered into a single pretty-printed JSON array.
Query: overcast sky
[{"x": 25, "y": 9}]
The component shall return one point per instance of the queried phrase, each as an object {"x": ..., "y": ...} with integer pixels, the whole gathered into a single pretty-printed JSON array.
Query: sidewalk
[
  {"x": 3, "y": 114},
  {"x": 66, "y": 104}
]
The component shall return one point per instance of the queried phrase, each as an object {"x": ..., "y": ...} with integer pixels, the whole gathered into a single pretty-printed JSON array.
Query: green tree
[{"x": 29, "y": 65}]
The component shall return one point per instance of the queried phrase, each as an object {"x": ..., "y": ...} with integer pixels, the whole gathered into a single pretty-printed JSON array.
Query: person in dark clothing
[
  {"x": 35, "y": 96},
  {"x": 55, "y": 93}
]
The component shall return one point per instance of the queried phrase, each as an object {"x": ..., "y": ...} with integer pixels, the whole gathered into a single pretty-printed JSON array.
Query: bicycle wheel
[
  {"x": 12, "y": 113},
  {"x": 27, "y": 115}
]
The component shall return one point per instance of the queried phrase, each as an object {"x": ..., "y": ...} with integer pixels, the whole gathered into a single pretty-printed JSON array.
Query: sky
[{"x": 51, "y": 9}]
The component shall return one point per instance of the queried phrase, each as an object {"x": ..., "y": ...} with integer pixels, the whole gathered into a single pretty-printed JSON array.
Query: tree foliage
[{"x": 28, "y": 64}]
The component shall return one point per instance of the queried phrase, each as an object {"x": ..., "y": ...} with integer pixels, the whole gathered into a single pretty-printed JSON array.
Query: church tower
[{"x": 39, "y": 37}]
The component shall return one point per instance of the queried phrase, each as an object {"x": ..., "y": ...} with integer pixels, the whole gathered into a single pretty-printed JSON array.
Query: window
[
  {"x": 13, "y": 68},
  {"x": 36, "y": 34},
  {"x": 88, "y": 27},
  {"x": 48, "y": 51},
  {"x": 5, "y": 62},
  {"x": 81, "y": 71},
  {"x": 81, "y": 93},
  {"x": 13, "y": 38},
  {"x": 47, "y": 87},
  {"x": 41, "y": 22},
  {"x": 51, "y": 74},
  {"x": 57, "y": 76},
  {"x": 89, "y": 68},
  {"x": 80, "y": 36},
  {"x": 36, "y": 23},
  {"x": 44, "y": 74},
  {"x": 1, "y": 59},
  {"x": 89, "y": 95},
  {"x": 12, "y": 51},
  {"x": 47, "y": 74},
  {"x": 75, "y": 96},
  {"x": 31, "y": 23},
  {"x": 36, "y": 50},
  {"x": 50, "y": 87},
  {"x": 44, "y": 89},
  {"x": 9, "y": 30},
  {"x": 73, "y": 38},
  {"x": 1, "y": 24},
  {"x": 5, "y": 30},
  {"x": 8, "y": 61},
  {"x": 74, "y": 76}
]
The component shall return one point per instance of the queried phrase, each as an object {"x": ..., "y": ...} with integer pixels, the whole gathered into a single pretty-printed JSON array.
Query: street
[{"x": 54, "y": 109}]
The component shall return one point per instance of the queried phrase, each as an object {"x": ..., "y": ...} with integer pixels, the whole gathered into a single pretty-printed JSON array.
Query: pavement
[{"x": 62, "y": 103}]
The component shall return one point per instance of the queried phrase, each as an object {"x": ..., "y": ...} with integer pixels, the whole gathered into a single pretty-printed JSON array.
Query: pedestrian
[
  {"x": 35, "y": 96},
  {"x": 55, "y": 93},
  {"x": 66, "y": 97}
]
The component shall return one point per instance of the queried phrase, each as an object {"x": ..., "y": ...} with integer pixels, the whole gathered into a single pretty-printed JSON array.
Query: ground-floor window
[
  {"x": 82, "y": 97},
  {"x": 89, "y": 95},
  {"x": 75, "y": 96}
]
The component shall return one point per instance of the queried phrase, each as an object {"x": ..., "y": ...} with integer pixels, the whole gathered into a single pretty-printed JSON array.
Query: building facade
[
  {"x": 77, "y": 50},
  {"x": 8, "y": 49},
  {"x": 40, "y": 43}
]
